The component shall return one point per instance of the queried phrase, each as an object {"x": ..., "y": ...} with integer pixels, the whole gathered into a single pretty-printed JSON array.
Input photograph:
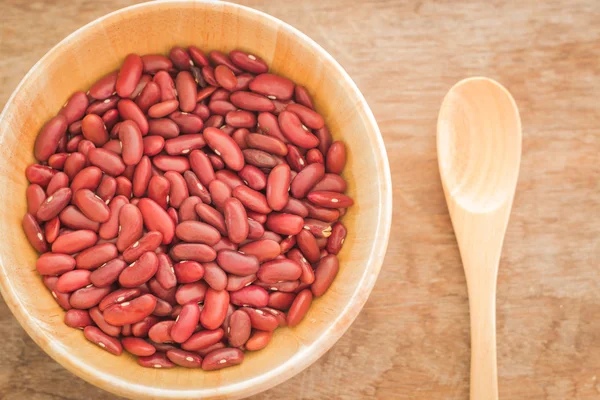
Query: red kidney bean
[
  {"x": 239, "y": 328},
  {"x": 240, "y": 119},
  {"x": 219, "y": 192},
  {"x": 215, "y": 121},
  {"x": 101, "y": 107},
  {"x": 91, "y": 205},
  {"x": 203, "y": 339},
  {"x": 295, "y": 131},
  {"x": 222, "y": 358},
  {"x": 309, "y": 117},
  {"x": 197, "y": 232},
  {"x": 130, "y": 111},
  {"x": 202, "y": 167},
  {"x": 158, "y": 190},
  {"x": 85, "y": 146},
  {"x": 280, "y": 300},
  {"x": 107, "y": 273},
  {"x": 279, "y": 270},
  {"x": 165, "y": 274},
  {"x": 269, "y": 125},
  {"x": 285, "y": 224},
  {"x": 157, "y": 219},
  {"x": 140, "y": 329},
  {"x": 263, "y": 250},
  {"x": 129, "y": 75},
  {"x": 248, "y": 62},
  {"x": 260, "y": 159},
  {"x": 94, "y": 129},
  {"x": 178, "y": 188},
  {"x": 87, "y": 178},
  {"x": 251, "y": 101},
  {"x": 208, "y": 75},
  {"x": 57, "y": 160},
  {"x": 149, "y": 242},
  {"x": 308, "y": 275},
  {"x": 229, "y": 178},
  {"x": 104, "y": 87},
  {"x": 74, "y": 164},
  {"x": 202, "y": 111},
  {"x": 156, "y": 62},
  {"x": 331, "y": 183},
  {"x": 204, "y": 93},
  {"x": 53, "y": 204},
  {"x": 188, "y": 271},
  {"x": 99, "y": 320},
  {"x": 215, "y": 308},
  {"x": 124, "y": 187},
  {"x": 261, "y": 320},
  {"x": 157, "y": 360},
  {"x": 237, "y": 263},
  {"x": 162, "y": 109},
  {"x": 235, "y": 282},
  {"x": 193, "y": 251},
  {"x": 330, "y": 199},
  {"x": 153, "y": 145},
  {"x": 212, "y": 217},
  {"x": 236, "y": 220},
  {"x": 150, "y": 96},
  {"x": 166, "y": 84},
  {"x": 184, "y": 358},
  {"x": 184, "y": 144},
  {"x": 119, "y": 296},
  {"x": 181, "y": 59},
  {"x": 225, "y": 147},
  {"x": 72, "y": 218},
  {"x": 109, "y": 229},
  {"x": 142, "y": 176},
  {"x": 220, "y": 58},
  {"x": 74, "y": 242},
  {"x": 130, "y": 312},
  {"x": 266, "y": 143},
  {"x": 239, "y": 136},
  {"x": 164, "y": 127},
  {"x": 108, "y": 343},
  {"x": 308, "y": 245},
  {"x": 252, "y": 199},
  {"x": 35, "y": 197},
  {"x": 95, "y": 256},
  {"x": 255, "y": 229},
  {"x": 198, "y": 56},
  {"x": 88, "y": 297},
  {"x": 225, "y": 77},
  {"x": 214, "y": 276},
  {"x": 273, "y": 86},
  {"x": 196, "y": 188},
  {"x": 253, "y": 177},
  {"x": 191, "y": 292},
  {"x": 281, "y": 319},
  {"x": 140, "y": 271},
  {"x": 299, "y": 307},
  {"x": 297, "y": 207},
  {"x": 319, "y": 229},
  {"x": 301, "y": 96},
  {"x": 186, "y": 322},
  {"x": 325, "y": 273},
  {"x": 171, "y": 163},
  {"x": 322, "y": 242},
  {"x": 138, "y": 347},
  {"x": 107, "y": 188},
  {"x": 258, "y": 341},
  {"x": 130, "y": 226},
  {"x": 271, "y": 236},
  {"x": 39, "y": 174},
  {"x": 286, "y": 244},
  {"x": 336, "y": 240},
  {"x": 77, "y": 319},
  {"x": 252, "y": 296},
  {"x": 336, "y": 158},
  {"x": 107, "y": 161},
  {"x": 47, "y": 140},
  {"x": 132, "y": 144},
  {"x": 74, "y": 108},
  {"x": 243, "y": 81},
  {"x": 54, "y": 264},
  {"x": 306, "y": 180}
]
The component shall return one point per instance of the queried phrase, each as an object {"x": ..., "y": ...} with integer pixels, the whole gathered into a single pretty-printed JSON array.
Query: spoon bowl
[{"x": 479, "y": 153}]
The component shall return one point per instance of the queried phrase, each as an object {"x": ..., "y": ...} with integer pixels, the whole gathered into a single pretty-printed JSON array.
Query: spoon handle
[{"x": 482, "y": 305}]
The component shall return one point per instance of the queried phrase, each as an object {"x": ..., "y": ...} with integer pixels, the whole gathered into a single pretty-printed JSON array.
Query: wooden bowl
[{"x": 100, "y": 47}]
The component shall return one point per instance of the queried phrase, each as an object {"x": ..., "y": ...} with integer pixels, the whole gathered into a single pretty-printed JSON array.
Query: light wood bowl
[{"x": 100, "y": 47}]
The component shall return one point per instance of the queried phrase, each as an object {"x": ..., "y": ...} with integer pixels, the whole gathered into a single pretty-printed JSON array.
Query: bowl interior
[{"x": 99, "y": 48}]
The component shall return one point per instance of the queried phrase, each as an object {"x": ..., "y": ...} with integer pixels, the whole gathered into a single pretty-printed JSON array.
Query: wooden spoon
[{"x": 479, "y": 152}]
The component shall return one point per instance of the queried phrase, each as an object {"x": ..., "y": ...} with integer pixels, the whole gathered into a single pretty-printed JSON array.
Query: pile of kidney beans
[{"x": 187, "y": 206}]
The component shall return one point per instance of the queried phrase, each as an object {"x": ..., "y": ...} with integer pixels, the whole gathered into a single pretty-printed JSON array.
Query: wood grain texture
[{"x": 412, "y": 338}]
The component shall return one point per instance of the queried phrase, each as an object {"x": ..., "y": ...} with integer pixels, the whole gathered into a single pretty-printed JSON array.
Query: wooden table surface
[{"x": 411, "y": 341}]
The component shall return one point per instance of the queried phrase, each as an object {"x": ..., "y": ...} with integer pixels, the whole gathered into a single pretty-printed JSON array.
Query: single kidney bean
[
  {"x": 336, "y": 240},
  {"x": 91, "y": 205},
  {"x": 225, "y": 147},
  {"x": 280, "y": 300},
  {"x": 85, "y": 146},
  {"x": 239, "y": 136},
  {"x": 187, "y": 123},
  {"x": 184, "y": 144},
  {"x": 47, "y": 140},
  {"x": 212, "y": 217},
  {"x": 261, "y": 320},
  {"x": 53, "y": 204},
  {"x": 260, "y": 159},
  {"x": 95, "y": 256},
  {"x": 295, "y": 131},
  {"x": 54, "y": 264},
  {"x": 74, "y": 108},
  {"x": 39, "y": 174},
  {"x": 225, "y": 77},
  {"x": 279, "y": 270},
  {"x": 107, "y": 273},
  {"x": 188, "y": 271},
  {"x": 243, "y": 81},
  {"x": 138, "y": 347},
  {"x": 130, "y": 312},
  {"x": 94, "y": 129},
  {"x": 215, "y": 308},
  {"x": 237, "y": 263},
  {"x": 149, "y": 242},
  {"x": 157, "y": 360},
  {"x": 319, "y": 229},
  {"x": 314, "y": 156},
  {"x": 248, "y": 62},
  {"x": 286, "y": 244},
  {"x": 107, "y": 161},
  {"x": 130, "y": 111},
  {"x": 258, "y": 341},
  {"x": 208, "y": 75},
  {"x": 99, "y": 320},
  {"x": 186, "y": 323},
  {"x": 110, "y": 228},
  {"x": 77, "y": 319},
  {"x": 171, "y": 163},
  {"x": 124, "y": 187},
  {"x": 52, "y": 229},
  {"x": 193, "y": 251},
  {"x": 164, "y": 127},
  {"x": 140, "y": 329},
  {"x": 308, "y": 245},
  {"x": 266, "y": 143},
  {"x": 299, "y": 307},
  {"x": 272, "y": 236},
  {"x": 166, "y": 84},
  {"x": 214, "y": 276},
  {"x": 197, "y": 232},
  {"x": 205, "y": 92},
  {"x": 251, "y": 102},
  {"x": 181, "y": 59},
  {"x": 154, "y": 63},
  {"x": 203, "y": 340},
  {"x": 235, "y": 282},
  {"x": 178, "y": 188},
  {"x": 255, "y": 229},
  {"x": 301, "y": 96},
  {"x": 325, "y": 274},
  {"x": 252, "y": 296},
  {"x": 158, "y": 190},
  {"x": 269, "y": 125},
  {"x": 263, "y": 250},
  {"x": 309, "y": 117},
  {"x": 101, "y": 107},
  {"x": 108, "y": 343},
  {"x": 153, "y": 145},
  {"x": 202, "y": 167},
  {"x": 187, "y": 210},
  {"x": 281, "y": 319},
  {"x": 308, "y": 275},
  {"x": 191, "y": 292},
  {"x": 57, "y": 160},
  {"x": 198, "y": 56},
  {"x": 142, "y": 176},
  {"x": 229, "y": 178},
  {"x": 165, "y": 274},
  {"x": 253, "y": 177},
  {"x": 74, "y": 242},
  {"x": 129, "y": 75},
  {"x": 236, "y": 220},
  {"x": 130, "y": 226},
  {"x": 273, "y": 86},
  {"x": 285, "y": 224},
  {"x": 336, "y": 158},
  {"x": 225, "y": 244},
  {"x": 184, "y": 358},
  {"x": 252, "y": 199},
  {"x": 88, "y": 297},
  {"x": 330, "y": 199},
  {"x": 107, "y": 188},
  {"x": 157, "y": 219},
  {"x": 240, "y": 119},
  {"x": 222, "y": 358},
  {"x": 150, "y": 95},
  {"x": 74, "y": 164},
  {"x": 162, "y": 109},
  {"x": 331, "y": 183},
  {"x": 239, "y": 328},
  {"x": 140, "y": 271},
  {"x": 104, "y": 87},
  {"x": 119, "y": 296},
  {"x": 306, "y": 180},
  {"x": 297, "y": 207},
  {"x": 72, "y": 218}
]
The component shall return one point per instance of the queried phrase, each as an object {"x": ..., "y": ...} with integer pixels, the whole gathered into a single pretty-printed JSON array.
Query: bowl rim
[{"x": 306, "y": 355}]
